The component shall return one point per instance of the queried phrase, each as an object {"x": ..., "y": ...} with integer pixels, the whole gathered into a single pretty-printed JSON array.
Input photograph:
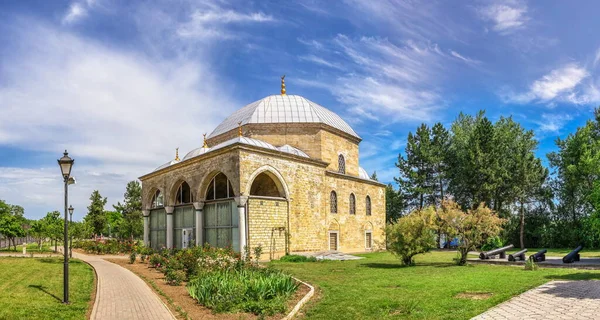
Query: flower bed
[{"x": 223, "y": 281}]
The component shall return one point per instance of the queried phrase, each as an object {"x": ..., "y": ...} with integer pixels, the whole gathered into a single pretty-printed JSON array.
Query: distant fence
[{"x": 5, "y": 243}]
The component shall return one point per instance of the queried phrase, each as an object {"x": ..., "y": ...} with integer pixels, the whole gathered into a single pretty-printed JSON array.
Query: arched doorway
[
  {"x": 221, "y": 217},
  {"x": 158, "y": 221},
  {"x": 268, "y": 214},
  {"x": 184, "y": 218}
]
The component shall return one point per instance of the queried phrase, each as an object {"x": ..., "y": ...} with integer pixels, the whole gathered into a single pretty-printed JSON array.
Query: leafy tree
[
  {"x": 131, "y": 210},
  {"x": 96, "y": 216},
  {"x": 576, "y": 172},
  {"x": 412, "y": 234},
  {"x": 53, "y": 227},
  {"x": 11, "y": 222},
  {"x": 472, "y": 227},
  {"x": 393, "y": 204}
]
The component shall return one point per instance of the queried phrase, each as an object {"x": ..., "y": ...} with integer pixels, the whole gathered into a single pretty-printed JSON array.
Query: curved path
[{"x": 123, "y": 295}]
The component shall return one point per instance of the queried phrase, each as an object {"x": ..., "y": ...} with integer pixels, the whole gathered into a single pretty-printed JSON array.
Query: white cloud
[
  {"x": 506, "y": 16},
  {"x": 597, "y": 57},
  {"x": 559, "y": 84},
  {"x": 320, "y": 61},
  {"x": 76, "y": 12},
  {"x": 395, "y": 82},
  {"x": 464, "y": 59},
  {"x": 120, "y": 114},
  {"x": 553, "y": 123},
  {"x": 210, "y": 21}
]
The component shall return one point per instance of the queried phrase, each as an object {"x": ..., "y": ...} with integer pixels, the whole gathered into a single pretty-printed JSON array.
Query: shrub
[
  {"x": 492, "y": 243},
  {"x": 297, "y": 258},
  {"x": 412, "y": 234},
  {"x": 132, "y": 257},
  {"x": 156, "y": 261},
  {"x": 174, "y": 277},
  {"x": 256, "y": 290},
  {"x": 472, "y": 227},
  {"x": 530, "y": 265}
]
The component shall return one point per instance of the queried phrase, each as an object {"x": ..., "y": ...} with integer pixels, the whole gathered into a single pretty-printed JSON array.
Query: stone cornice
[
  {"x": 322, "y": 126},
  {"x": 235, "y": 146},
  {"x": 348, "y": 177}
]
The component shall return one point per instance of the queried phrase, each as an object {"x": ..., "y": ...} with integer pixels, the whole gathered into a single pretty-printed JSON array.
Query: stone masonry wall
[
  {"x": 332, "y": 145},
  {"x": 303, "y": 181},
  {"x": 196, "y": 173},
  {"x": 310, "y": 219},
  {"x": 267, "y": 225},
  {"x": 352, "y": 228}
]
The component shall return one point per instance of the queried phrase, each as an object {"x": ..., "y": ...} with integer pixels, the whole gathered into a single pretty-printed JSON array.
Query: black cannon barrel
[
  {"x": 572, "y": 256},
  {"x": 539, "y": 256},
  {"x": 485, "y": 255},
  {"x": 518, "y": 254}
]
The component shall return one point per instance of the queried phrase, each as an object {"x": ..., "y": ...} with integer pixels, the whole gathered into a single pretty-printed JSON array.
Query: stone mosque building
[{"x": 282, "y": 172}]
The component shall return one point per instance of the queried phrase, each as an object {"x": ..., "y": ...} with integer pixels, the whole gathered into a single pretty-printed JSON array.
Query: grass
[
  {"x": 32, "y": 288},
  {"x": 31, "y": 247},
  {"x": 378, "y": 287}
]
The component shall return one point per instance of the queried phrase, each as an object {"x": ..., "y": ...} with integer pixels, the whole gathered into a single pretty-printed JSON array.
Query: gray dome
[
  {"x": 170, "y": 163},
  {"x": 289, "y": 149},
  {"x": 283, "y": 109}
]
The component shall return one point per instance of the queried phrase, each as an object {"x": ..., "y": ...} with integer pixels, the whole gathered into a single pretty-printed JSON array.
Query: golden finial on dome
[
  {"x": 240, "y": 128},
  {"x": 283, "y": 85},
  {"x": 176, "y": 154},
  {"x": 205, "y": 144}
]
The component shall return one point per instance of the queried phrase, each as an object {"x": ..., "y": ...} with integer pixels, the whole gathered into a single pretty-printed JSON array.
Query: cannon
[
  {"x": 572, "y": 256},
  {"x": 517, "y": 255},
  {"x": 539, "y": 256},
  {"x": 491, "y": 253}
]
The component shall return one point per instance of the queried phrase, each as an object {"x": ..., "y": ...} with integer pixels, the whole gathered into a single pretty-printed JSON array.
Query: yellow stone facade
[{"x": 297, "y": 217}]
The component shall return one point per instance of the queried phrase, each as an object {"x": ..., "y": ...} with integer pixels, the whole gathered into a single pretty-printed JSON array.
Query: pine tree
[
  {"x": 96, "y": 216},
  {"x": 131, "y": 209},
  {"x": 416, "y": 170}
]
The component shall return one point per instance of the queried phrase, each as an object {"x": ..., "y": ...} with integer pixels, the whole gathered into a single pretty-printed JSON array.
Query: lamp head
[
  {"x": 71, "y": 209},
  {"x": 66, "y": 163}
]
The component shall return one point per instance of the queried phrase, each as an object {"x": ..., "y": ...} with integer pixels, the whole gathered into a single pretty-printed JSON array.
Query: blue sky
[{"x": 121, "y": 84}]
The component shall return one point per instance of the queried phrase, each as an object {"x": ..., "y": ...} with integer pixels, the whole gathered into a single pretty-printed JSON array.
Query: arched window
[
  {"x": 352, "y": 204},
  {"x": 368, "y": 205},
  {"x": 263, "y": 185},
  {"x": 157, "y": 200},
  {"x": 341, "y": 164},
  {"x": 333, "y": 202},
  {"x": 219, "y": 188},
  {"x": 183, "y": 194}
]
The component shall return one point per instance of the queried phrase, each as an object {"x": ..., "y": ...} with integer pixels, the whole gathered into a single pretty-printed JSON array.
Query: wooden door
[{"x": 333, "y": 241}]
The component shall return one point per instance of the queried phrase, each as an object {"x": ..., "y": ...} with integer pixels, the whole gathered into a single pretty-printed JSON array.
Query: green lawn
[
  {"x": 31, "y": 247},
  {"x": 379, "y": 287},
  {"x": 32, "y": 288}
]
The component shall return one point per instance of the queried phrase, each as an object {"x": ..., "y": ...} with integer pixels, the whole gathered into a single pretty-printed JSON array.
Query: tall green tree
[
  {"x": 131, "y": 210},
  {"x": 393, "y": 204},
  {"x": 416, "y": 170},
  {"x": 576, "y": 174},
  {"x": 11, "y": 222},
  {"x": 96, "y": 216}
]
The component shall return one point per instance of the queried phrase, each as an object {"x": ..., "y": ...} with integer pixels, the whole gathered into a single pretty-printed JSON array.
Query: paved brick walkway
[
  {"x": 553, "y": 300},
  {"x": 123, "y": 295}
]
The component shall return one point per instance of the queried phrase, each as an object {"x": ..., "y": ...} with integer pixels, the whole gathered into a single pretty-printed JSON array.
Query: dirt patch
[
  {"x": 183, "y": 304},
  {"x": 474, "y": 295}
]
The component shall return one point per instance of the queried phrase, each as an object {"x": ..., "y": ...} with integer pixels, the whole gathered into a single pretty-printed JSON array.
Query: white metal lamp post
[{"x": 66, "y": 163}]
